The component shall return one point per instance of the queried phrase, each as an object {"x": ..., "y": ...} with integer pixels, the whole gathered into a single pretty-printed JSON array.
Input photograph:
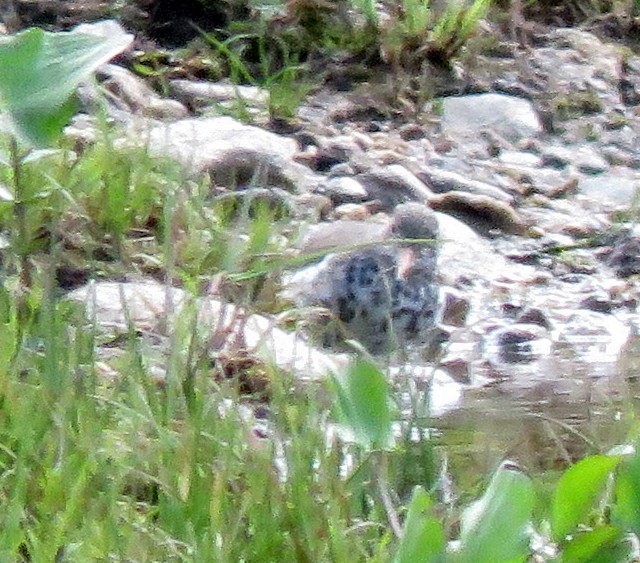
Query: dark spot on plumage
[
  {"x": 377, "y": 298},
  {"x": 346, "y": 312}
]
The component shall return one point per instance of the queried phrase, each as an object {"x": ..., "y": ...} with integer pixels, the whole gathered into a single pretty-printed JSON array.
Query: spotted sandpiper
[{"x": 382, "y": 295}]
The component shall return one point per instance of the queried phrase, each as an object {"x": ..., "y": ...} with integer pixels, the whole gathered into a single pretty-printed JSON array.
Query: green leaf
[
  {"x": 495, "y": 528},
  {"x": 577, "y": 491},
  {"x": 364, "y": 400},
  {"x": 626, "y": 510},
  {"x": 604, "y": 544},
  {"x": 39, "y": 72},
  {"x": 423, "y": 538}
]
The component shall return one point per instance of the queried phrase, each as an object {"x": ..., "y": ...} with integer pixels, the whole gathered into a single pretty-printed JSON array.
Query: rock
[
  {"x": 116, "y": 308},
  {"x": 518, "y": 344},
  {"x": 199, "y": 94},
  {"x": 234, "y": 154},
  {"x": 392, "y": 185},
  {"x": 455, "y": 308},
  {"x": 442, "y": 181},
  {"x": 625, "y": 255},
  {"x": 335, "y": 151},
  {"x": 586, "y": 159},
  {"x": 343, "y": 189},
  {"x": 510, "y": 117},
  {"x": 599, "y": 302},
  {"x": 342, "y": 234},
  {"x": 482, "y": 213},
  {"x": 312, "y": 207},
  {"x": 617, "y": 188},
  {"x": 463, "y": 253},
  {"x": 580, "y": 70},
  {"x": 564, "y": 217},
  {"x": 138, "y": 97},
  {"x": 520, "y": 158},
  {"x": 534, "y": 316},
  {"x": 201, "y": 143},
  {"x": 630, "y": 81},
  {"x": 412, "y": 132},
  {"x": 351, "y": 212},
  {"x": 104, "y": 28}
]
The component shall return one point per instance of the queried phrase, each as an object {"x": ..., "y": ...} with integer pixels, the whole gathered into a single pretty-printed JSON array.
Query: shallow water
[{"x": 546, "y": 413}]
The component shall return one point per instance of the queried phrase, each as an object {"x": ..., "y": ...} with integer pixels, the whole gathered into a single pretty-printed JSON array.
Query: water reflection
[{"x": 548, "y": 410}]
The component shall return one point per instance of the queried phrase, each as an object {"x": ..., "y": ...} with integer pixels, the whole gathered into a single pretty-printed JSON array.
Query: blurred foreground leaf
[
  {"x": 39, "y": 72},
  {"x": 423, "y": 539},
  {"x": 495, "y": 527},
  {"x": 364, "y": 399},
  {"x": 577, "y": 490}
]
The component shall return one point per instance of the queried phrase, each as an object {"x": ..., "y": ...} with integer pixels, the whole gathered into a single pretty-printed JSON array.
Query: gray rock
[
  {"x": 576, "y": 64},
  {"x": 625, "y": 252},
  {"x": 518, "y": 344},
  {"x": 235, "y": 155},
  {"x": 137, "y": 96},
  {"x": 351, "y": 212},
  {"x": 465, "y": 254},
  {"x": 510, "y": 117},
  {"x": 200, "y": 142},
  {"x": 148, "y": 307},
  {"x": 343, "y": 189},
  {"x": 483, "y": 213},
  {"x": 392, "y": 185},
  {"x": 614, "y": 189},
  {"x": 104, "y": 28},
  {"x": 585, "y": 158},
  {"x": 200, "y": 93},
  {"x": 441, "y": 181},
  {"x": 520, "y": 158}
]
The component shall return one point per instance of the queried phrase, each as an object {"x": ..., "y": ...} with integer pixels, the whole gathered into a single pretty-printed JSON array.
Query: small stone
[
  {"x": 343, "y": 189},
  {"x": 455, "y": 308},
  {"x": 443, "y": 181},
  {"x": 480, "y": 212},
  {"x": 201, "y": 93},
  {"x": 519, "y": 344},
  {"x": 600, "y": 303},
  {"x": 534, "y": 316},
  {"x": 393, "y": 185},
  {"x": 351, "y": 212},
  {"x": 412, "y": 132},
  {"x": 625, "y": 255},
  {"x": 458, "y": 368}
]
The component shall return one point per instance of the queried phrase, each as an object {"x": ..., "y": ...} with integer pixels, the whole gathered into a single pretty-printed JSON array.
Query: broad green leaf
[
  {"x": 577, "y": 490},
  {"x": 496, "y": 527},
  {"x": 39, "y": 72},
  {"x": 626, "y": 510},
  {"x": 605, "y": 544},
  {"x": 423, "y": 539},
  {"x": 364, "y": 399}
]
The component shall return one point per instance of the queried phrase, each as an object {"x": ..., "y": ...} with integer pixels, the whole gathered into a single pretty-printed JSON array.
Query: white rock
[
  {"x": 508, "y": 116},
  {"x": 200, "y": 143},
  {"x": 150, "y": 307}
]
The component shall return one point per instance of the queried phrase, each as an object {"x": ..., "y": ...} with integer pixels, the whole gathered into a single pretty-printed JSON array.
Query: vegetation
[{"x": 100, "y": 461}]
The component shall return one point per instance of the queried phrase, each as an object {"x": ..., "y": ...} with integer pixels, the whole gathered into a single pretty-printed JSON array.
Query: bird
[{"x": 381, "y": 295}]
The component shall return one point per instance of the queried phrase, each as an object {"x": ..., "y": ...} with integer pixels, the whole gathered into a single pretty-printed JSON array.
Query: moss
[{"x": 577, "y": 105}]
